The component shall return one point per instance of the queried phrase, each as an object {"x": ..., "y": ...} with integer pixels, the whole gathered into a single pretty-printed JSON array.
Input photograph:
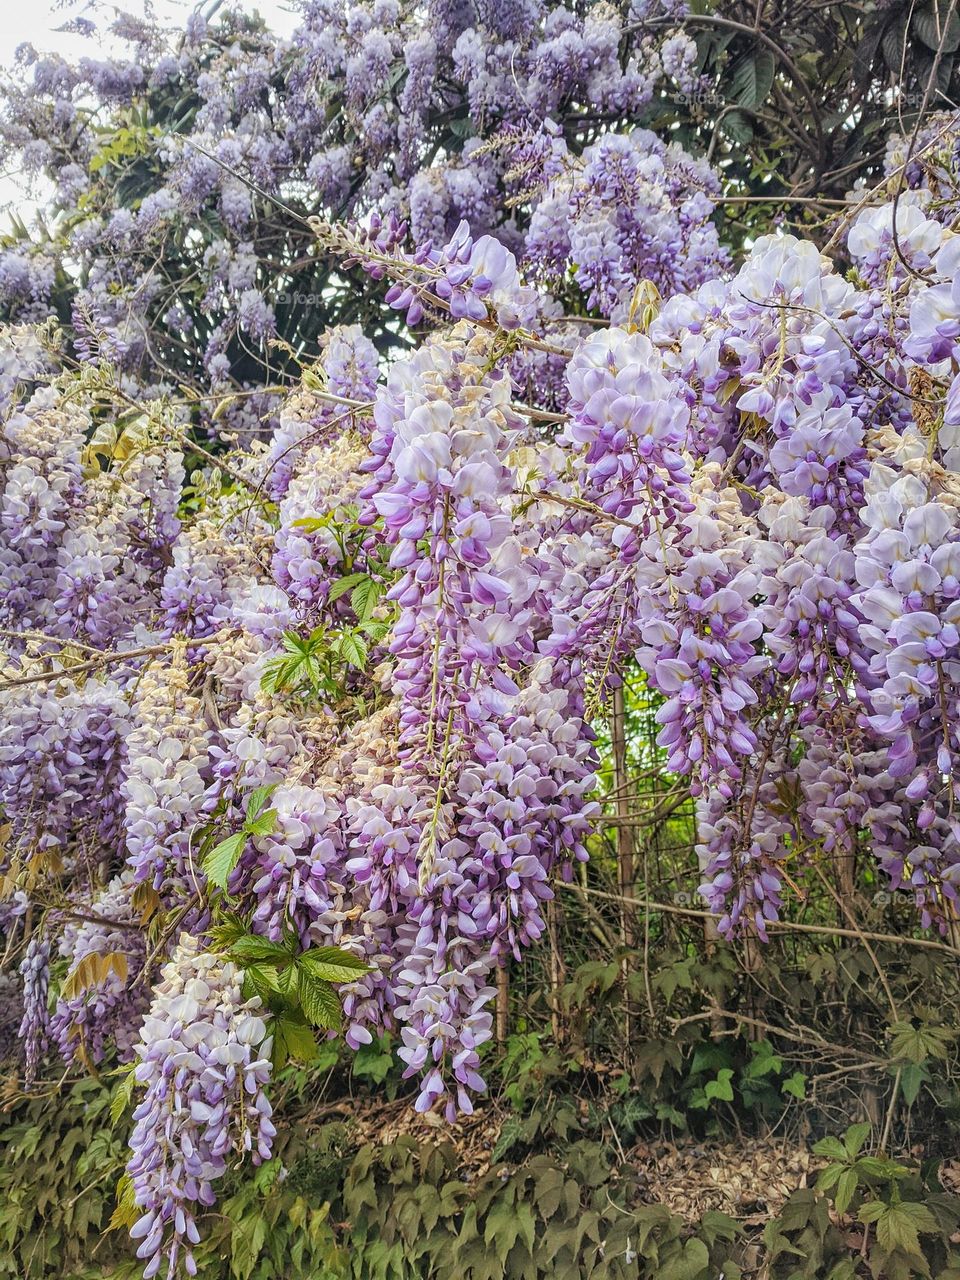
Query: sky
[{"x": 36, "y": 21}]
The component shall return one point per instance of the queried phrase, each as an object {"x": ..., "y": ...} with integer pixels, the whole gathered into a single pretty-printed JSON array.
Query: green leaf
[
  {"x": 221, "y": 860},
  {"x": 751, "y": 78},
  {"x": 722, "y": 1087},
  {"x": 373, "y": 1061},
  {"x": 874, "y": 1166},
  {"x": 795, "y": 1085},
  {"x": 525, "y": 1224},
  {"x": 763, "y": 1062},
  {"x": 258, "y": 950},
  {"x": 737, "y": 125},
  {"x": 120, "y": 1102},
  {"x": 548, "y": 1191},
  {"x": 846, "y": 1189},
  {"x": 287, "y": 980},
  {"x": 319, "y": 1002},
  {"x": 364, "y": 597},
  {"x": 353, "y": 649},
  {"x": 898, "y": 1225},
  {"x": 126, "y": 1212},
  {"x": 855, "y": 1137},
  {"x": 258, "y": 798},
  {"x": 917, "y": 1044},
  {"x": 832, "y": 1148},
  {"x": 262, "y": 825},
  {"x": 262, "y": 980},
  {"x": 350, "y": 583},
  {"x": 332, "y": 964},
  {"x": 501, "y": 1228},
  {"x": 933, "y": 29},
  {"x": 292, "y": 1038},
  {"x": 688, "y": 1263},
  {"x": 246, "y": 1241},
  {"x": 462, "y": 127},
  {"x": 912, "y": 1076}
]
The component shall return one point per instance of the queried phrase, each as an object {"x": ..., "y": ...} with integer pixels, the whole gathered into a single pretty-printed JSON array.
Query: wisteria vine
[{"x": 339, "y": 680}]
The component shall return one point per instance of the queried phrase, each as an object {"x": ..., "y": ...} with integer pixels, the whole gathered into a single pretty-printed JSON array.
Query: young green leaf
[
  {"x": 332, "y": 964},
  {"x": 254, "y": 950},
  {"x": 263, "y": 824},
  {"x": 795, "y": 1085},
  {"x": 120, "y": 1102},
  {"x": 258, "y": 798},
  {"x": 721, "y": 1087},
  {"x": 353, "y": 581},
  {"x": 319, "y": 1002},
  {"x": 221, "y": 860},
  {"x": 261, "y": 980},
  {"x": 364, "y": 597}
]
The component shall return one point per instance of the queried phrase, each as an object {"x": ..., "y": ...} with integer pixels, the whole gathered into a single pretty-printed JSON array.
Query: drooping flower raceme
[{"x": 203, "y": 1059}]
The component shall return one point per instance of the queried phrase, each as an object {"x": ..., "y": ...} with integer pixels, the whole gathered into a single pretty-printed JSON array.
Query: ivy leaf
[
  {"x": 795, "y": 1085},
  {"x": 917, "y": 1044},
  {"x": 721, "y": 1087},
  {"x": 221, "y": 860},
  {"x": 501, "y": 1228},
  {"x": 764, "y": 1061},
  {"x": 319, "y": 1002}
]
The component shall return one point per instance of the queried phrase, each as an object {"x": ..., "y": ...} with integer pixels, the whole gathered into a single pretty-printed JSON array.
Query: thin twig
[
  {"x": 780, "y": 926},
  {"x": 105, "y": 660}
]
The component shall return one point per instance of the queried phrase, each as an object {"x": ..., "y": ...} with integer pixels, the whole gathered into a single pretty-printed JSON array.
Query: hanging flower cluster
[
  {"x": 203, "y": 1056},
  {"x": 343, "y": 681}
]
